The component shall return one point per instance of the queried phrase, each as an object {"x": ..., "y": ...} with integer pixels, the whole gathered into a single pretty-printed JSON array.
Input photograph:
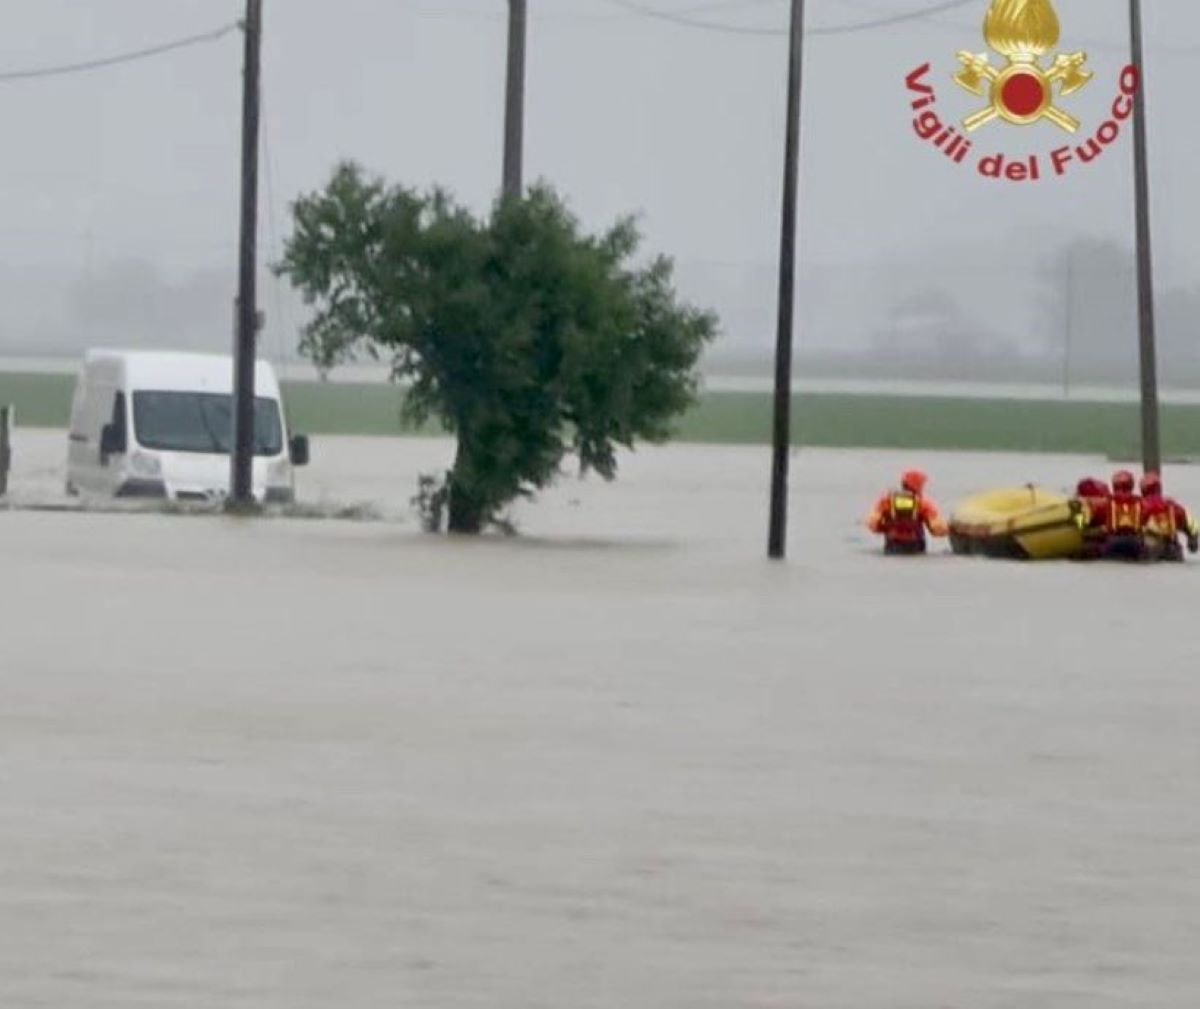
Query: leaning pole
[
  {"x": 1147, "y": 351},
  {"x": 777, "y": 535}
]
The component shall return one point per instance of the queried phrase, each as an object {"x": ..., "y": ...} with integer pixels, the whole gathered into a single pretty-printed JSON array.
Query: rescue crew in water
[
  {"x": 1124, "y": 520},
  {"x": 1165, "y": 520},
  {"x": 902, "y": 517},
  {"x": 1094, "y": 497}
]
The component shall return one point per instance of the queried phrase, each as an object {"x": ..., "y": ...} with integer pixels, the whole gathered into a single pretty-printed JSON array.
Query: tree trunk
[
  {"x": 466, "y": 510},
  {"x": 466, "y": 515}
]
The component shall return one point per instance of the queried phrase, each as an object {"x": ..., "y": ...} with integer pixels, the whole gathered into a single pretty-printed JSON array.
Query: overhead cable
[
  {"x": 122, "y": 58},
  {"x": 870, "y": 24}
]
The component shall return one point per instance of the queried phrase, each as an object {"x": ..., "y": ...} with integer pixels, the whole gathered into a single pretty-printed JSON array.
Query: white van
[{"x": 160, "y": 425}]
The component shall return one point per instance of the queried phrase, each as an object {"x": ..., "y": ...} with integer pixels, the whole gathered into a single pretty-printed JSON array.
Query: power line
[
  {"x": 932, "y": 15},
  {"x": 494, "y": 12},
  {"x": 130, "y": 57},
  {"x": 685, "y": 16},
  {"x": 886, "y": 20},
  {"x": 718, "y": 5},
  {"x": 1086, "y": 41},
  {"x": 676, "y": 17}
]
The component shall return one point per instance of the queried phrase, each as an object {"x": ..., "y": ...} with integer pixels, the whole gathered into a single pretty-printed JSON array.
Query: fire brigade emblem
[{"x": 1023, "y": 91}]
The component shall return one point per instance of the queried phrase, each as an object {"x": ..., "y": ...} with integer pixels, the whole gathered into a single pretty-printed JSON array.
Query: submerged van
[{"x": 160, "y": 425}]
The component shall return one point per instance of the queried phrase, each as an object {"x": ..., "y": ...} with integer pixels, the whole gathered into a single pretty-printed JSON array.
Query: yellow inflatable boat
[{"x": 1026, "y": 523}]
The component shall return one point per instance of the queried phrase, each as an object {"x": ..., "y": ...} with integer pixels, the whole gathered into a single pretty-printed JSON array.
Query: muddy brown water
[{"x": 619, "y": 762}]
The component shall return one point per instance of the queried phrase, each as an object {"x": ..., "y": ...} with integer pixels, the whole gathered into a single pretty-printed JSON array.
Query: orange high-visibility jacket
[
  {"x": 1124, "y": 515},
  {"x": 903, "y": 517},
  {"x": 1166, "y": 518}
]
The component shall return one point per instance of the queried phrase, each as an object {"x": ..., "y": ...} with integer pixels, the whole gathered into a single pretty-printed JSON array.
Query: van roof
[{"x": 182, "y": 371}]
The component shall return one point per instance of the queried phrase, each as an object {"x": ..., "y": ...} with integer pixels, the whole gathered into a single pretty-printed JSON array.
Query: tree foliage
[{"x": 525, "y": 337}]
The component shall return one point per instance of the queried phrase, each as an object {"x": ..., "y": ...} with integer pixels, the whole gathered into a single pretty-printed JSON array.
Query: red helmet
[
  {"x": 914, "y": 480},
  {"x": 1091, "y": 487},
  {"x": 1124, "y": 482},
  {"x": 1151, "y": 484}
]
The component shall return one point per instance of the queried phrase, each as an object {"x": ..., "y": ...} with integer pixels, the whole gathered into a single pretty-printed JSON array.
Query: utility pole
[
  {"x": 241, "y": 492},
  {"x": 7, "y": 415},
  {"x": 1148, "y": 356},
  {"x": 514, "y": 105},
  {"x": 777, "y": 537}
]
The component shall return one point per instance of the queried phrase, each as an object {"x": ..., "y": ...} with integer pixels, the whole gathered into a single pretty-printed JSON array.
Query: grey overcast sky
[{"x": 118, "y": 189}]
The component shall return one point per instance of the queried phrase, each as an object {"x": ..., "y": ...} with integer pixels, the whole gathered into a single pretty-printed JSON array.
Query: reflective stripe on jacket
[
  {"x": 1125, "y": 515},
  {"x": 906, "y": 517},
  {"x": 1166, "y": 519}
]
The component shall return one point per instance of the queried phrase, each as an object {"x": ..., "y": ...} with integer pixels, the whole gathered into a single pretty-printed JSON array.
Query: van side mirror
[
  {"x": 298, "y": 449},
  {"x": 112, "y": 442}
]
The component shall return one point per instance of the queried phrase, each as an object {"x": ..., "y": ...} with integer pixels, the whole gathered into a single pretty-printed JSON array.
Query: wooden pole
[
  {"x": 1147, "y": 349},
  {"x": 514, "y": 100},
  {"x": 777, "y": 535},
  {"x": 7, "y": 414},
  {"x": 241, "y": 491}
]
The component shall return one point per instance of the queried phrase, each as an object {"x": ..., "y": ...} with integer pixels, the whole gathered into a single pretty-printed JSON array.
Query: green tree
[{"x": 528, "y": 339}]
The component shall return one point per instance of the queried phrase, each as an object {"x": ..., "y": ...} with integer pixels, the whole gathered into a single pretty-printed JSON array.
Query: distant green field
[{"x": 836, "y": 421}]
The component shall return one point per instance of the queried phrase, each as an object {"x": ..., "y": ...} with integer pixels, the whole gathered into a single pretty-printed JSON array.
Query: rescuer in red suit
[
  {"x": 1093, "y": 496},
  {"x": 902, "y": 517},
  {"x": 1124, "y": 520},
  {"x": 1164, "y": 521}
]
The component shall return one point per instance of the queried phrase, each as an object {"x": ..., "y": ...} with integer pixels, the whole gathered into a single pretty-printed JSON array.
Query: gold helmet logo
[{"x": 1022, "y": 31}]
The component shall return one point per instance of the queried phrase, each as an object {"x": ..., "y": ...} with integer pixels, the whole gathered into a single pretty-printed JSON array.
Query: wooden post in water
[
  {"x": 1147, "y": 347},
  {"x": 241, "y": 479},
  {"x": 7, "y": 413},
  {"x": 782, "y": 437}
]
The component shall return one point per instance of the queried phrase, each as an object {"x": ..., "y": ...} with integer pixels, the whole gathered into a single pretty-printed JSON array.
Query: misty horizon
[{"x": 119, "y": 209}]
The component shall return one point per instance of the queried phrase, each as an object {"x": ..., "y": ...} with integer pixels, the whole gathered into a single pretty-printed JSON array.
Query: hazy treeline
[
  {"x": 1060, "y": 312},
  {"x": 1064, "y": 314}
]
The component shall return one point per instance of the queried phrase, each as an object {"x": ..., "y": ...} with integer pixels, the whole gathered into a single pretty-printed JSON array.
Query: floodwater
[{"x": 620, "y": 762}]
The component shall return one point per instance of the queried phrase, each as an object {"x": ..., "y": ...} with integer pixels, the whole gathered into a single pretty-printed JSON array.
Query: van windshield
[{"x": 201, "y": 422}]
